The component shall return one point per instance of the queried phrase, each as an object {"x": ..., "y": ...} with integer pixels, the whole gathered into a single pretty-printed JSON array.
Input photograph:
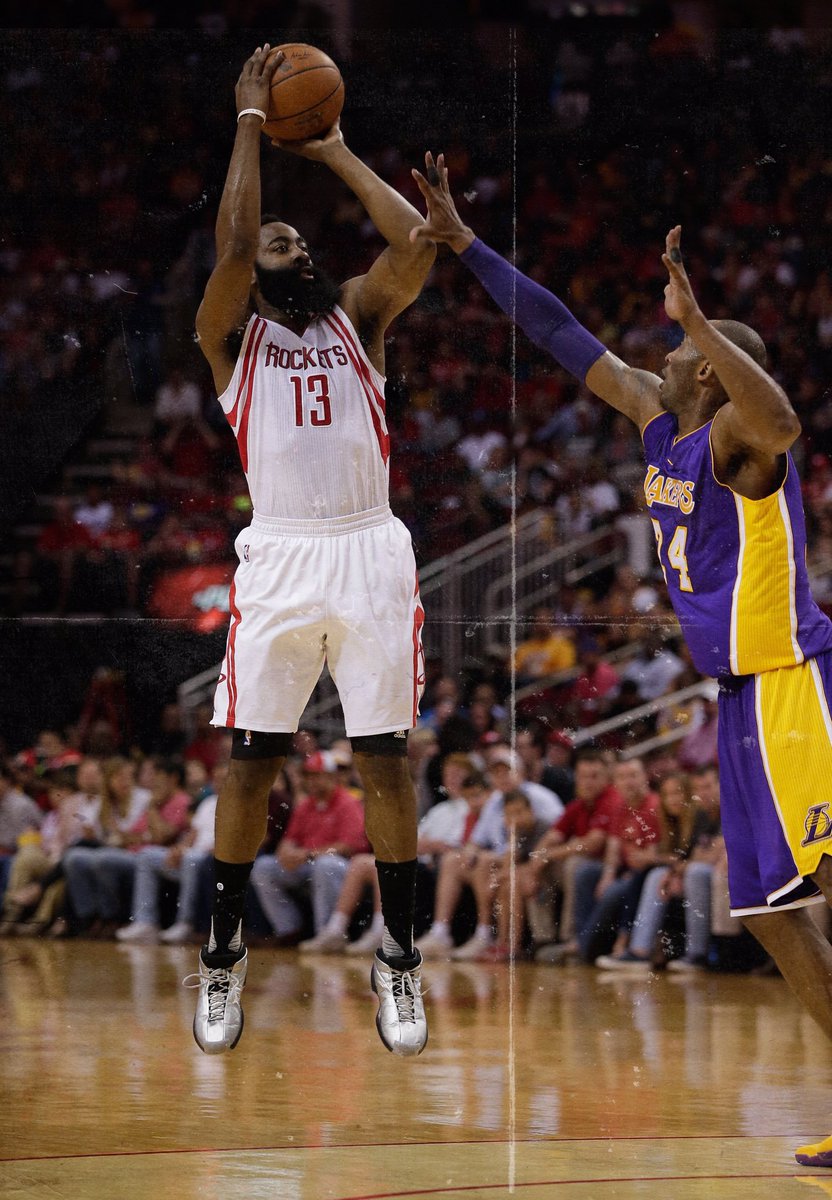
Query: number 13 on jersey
[
  {"x": 318, "y": 387},
  {"x": 675, "y": 553}
]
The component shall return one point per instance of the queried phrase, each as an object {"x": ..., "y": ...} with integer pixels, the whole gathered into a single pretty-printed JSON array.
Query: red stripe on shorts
[
  {"x": 418, "y": 651},
  {"x": 370, "y": 391},
  {"x": 242, "y": 432},
  {"x": 231, "y": 657}
]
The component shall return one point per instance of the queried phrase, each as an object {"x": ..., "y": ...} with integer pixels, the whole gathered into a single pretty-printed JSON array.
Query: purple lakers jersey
[{"x": 735, "y": 568}]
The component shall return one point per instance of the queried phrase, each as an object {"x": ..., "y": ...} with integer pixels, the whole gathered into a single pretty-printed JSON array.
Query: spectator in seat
[
  {"x": 444, "y": 827},
  {"x": 325, "y": 830},
  {"x": 177, "y": 399},
  {"x": 687, "y": 838},
  {"x": 34, "y": 899},
  {"x": 19, "y": 815},
  {"x": 580, "y": 834},
  {"x": 178, "y": 863},
  {"x": 607, "y": 893},
  {"x": 98, "y": 878},
  {"x": 547, "y": 650}
]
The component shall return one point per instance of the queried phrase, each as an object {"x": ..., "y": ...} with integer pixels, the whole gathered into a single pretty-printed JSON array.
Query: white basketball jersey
[{"x": 308, "y": 415}]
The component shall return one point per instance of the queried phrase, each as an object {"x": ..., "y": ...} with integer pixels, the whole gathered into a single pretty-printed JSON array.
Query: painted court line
[
  {"x": 504, "y": 1187},
  {"x": 342, "y": 1146}
]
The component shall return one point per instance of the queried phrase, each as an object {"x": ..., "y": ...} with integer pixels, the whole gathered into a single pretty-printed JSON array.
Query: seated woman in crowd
[
  {"x": 99, "y": 879},
  {"x": 180, "y": 863}
]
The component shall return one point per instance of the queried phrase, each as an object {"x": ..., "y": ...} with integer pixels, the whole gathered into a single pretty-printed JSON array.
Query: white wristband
[{"x": 257, "y": 112}]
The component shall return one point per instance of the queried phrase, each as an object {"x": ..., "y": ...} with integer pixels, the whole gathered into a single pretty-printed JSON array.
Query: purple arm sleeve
[{"x": 541, "y": 316}]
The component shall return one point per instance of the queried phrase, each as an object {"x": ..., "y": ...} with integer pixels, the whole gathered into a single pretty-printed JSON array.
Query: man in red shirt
[
  {"x": 580, "y": 835},
  {"x": 325, "y": 829},
  {"x": 606, "y": 893}
]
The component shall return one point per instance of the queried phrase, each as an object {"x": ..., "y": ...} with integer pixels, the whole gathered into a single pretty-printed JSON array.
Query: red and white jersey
[{"x": 308, "y": 415}]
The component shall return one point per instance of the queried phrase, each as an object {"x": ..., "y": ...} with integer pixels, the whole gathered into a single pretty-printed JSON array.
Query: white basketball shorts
[{"x": 342, "y": 591}]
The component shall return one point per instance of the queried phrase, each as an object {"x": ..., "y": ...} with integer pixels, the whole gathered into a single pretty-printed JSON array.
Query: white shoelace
[
  {"x": 406, "y": 990},
  {"x": 223, "y": 985}
]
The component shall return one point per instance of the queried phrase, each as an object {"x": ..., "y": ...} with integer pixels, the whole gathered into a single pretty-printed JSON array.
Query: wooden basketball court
[{"x": 566, "y": 1083}]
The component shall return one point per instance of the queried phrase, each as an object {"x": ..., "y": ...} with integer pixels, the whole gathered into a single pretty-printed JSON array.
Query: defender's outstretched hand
[
  {"x": 443, "y": 223},
  {"x": 252, "y": 90},
  {"x": 679, "y": 301}
]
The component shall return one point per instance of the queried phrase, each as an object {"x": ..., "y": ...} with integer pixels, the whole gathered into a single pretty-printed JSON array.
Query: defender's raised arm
[
  {"x": 759, "y": 415},
  {"x": 542, "y": 317}
]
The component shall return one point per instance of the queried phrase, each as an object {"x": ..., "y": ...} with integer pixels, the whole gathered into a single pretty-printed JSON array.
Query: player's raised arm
[
  {"x": 225, "y": 303},
  {"x": 759, "y": 416},
  {"x": 398, "y": 274},
  {"x": 542, "y": 317}
]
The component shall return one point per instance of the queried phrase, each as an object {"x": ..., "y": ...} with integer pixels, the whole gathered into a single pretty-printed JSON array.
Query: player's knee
[
  {"x": 249, "y": 745},
  {"x": 382, "y": 745}
]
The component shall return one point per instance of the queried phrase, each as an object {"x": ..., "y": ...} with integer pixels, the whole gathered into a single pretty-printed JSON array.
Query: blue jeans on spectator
[
  {"x": 598, "y": 921},
  {"x": 697, "y": 892},
  {"x": 97, "y": 880},
  {"x": 697, "y": 906},
  {"x": 649, "y": 916},
  {"x": 273, "y": 884},
  {"x": 151, "y": 870}
]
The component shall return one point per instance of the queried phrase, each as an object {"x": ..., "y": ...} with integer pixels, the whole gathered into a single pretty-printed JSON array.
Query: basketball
[{"x": 306, "y": 96}]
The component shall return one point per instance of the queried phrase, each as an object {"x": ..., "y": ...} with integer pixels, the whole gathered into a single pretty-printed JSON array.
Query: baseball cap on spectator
[
  {"x": 558, "y": 738},
  {"x": 319, "y": 762}
]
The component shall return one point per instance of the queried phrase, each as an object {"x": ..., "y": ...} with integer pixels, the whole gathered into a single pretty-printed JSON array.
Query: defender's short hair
[{"x": 746, "y": 338}]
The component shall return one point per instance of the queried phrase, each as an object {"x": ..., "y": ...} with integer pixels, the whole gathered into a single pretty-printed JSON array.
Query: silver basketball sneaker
[
  {"x": 400, "y": 1019},
  {"x": 218, "y": 1024}
]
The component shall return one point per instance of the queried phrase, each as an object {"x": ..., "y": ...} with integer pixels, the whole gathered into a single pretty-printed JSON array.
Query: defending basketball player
[
  {"x": 725, "y": 503},
  {"x": 326, "y": 573}
]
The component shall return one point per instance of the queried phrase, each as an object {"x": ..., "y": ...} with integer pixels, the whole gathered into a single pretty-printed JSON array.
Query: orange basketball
[{"x": 307, "y": 94}]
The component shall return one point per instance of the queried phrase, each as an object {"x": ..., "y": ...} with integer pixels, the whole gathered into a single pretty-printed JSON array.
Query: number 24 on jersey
[{"x": 676, "y": 553}]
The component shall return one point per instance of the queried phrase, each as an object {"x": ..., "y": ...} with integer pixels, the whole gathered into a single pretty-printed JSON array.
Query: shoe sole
[
  {"x": 384, "y": 1041},
  {"x": 824, "y": 1159},
  {"x": 223, "y": 1049}
]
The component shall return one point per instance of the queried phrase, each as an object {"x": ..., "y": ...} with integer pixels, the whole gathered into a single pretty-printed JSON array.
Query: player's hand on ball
[
  {"x": 252, "y": 90},
  {"x": 679, "y": 300},
  {"x": 317, "y": 148},
  {"x": 443, "y": 223}
]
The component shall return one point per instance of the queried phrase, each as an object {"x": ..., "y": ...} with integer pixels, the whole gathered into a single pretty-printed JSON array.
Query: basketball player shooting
[
  {"x": 725, "y": 503},
  {"x": 326, "y": 573}
]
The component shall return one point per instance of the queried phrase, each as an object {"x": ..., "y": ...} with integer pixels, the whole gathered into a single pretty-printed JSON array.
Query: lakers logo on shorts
[{"x": 818, "y": 824}]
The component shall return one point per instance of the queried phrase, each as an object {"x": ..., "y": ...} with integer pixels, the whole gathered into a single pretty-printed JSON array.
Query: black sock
[
  {"x": 397, "y": 884},
  {"x": 230, "y": 884}
]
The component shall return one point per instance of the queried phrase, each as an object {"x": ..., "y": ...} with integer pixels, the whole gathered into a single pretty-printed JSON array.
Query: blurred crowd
[
  {"x": 98, "y": 295},
  {"x": 608, "y": 134},
  {"x": 533, "y": 850}
]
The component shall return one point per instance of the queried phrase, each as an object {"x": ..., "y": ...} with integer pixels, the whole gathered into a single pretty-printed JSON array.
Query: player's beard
[{"x": 283, "y": 288}]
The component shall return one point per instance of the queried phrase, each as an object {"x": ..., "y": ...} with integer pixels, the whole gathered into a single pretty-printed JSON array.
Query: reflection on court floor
[{"x": 622, "y": 1087}]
